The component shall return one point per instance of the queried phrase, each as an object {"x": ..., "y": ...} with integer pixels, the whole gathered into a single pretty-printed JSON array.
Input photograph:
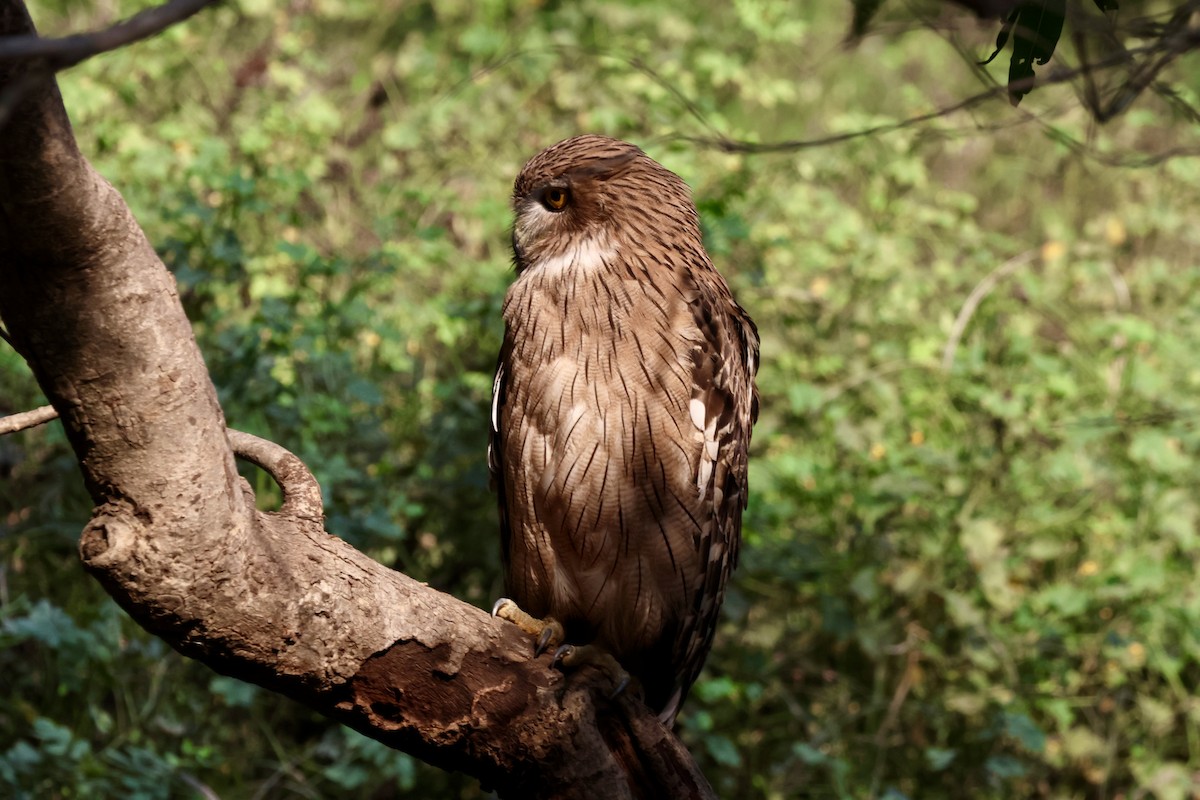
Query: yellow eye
[{"x": 555, "y": 198}]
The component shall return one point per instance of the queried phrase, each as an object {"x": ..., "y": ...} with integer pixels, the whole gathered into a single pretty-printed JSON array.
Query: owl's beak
[{"x": 518, "y": 251}]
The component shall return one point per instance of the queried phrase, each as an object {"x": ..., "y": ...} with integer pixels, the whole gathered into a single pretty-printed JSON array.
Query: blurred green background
[{"x": 970, "y": 561}]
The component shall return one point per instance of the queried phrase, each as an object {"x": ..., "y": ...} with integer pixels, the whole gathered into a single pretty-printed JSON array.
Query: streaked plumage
[{"x": 622, "y": 411}]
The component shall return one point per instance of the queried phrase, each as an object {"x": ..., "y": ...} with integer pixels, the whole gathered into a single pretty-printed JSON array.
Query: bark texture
[{"x": 268, "y": 597}]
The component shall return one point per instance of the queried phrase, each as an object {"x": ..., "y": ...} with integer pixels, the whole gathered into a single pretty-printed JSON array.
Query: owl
[{"x": 621, "y": 417}]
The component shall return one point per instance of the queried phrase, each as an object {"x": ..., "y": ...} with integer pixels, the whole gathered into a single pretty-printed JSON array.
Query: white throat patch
[{"x": 586, "y": 256}]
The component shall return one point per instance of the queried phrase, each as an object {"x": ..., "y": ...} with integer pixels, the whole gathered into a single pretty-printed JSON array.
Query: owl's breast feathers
[{"x": 624, "y": 400}]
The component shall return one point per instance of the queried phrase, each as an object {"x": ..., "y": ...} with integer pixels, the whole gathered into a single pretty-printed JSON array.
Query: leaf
[
  {"x": 1177, "y": 514},
  {"x": 1035, "y": 28},
  {"x": 1002, "y": 37},
  {"x": 809, "y": 754},
  {"x": 715, "y": 690},
  {"x": 1169, "y": 781},
  {"x": 1159, "y": 717},
  {"x": 835, "y": 617},
  {"x": 1160, "y": 452},
  {"x": 1025, "y": 730},
  {"x": 939, "y": 758},
  {"x": 48, "y": 624},
  {"x": 1081, "y": 743},
  {"x": 864, "y": 12},
  {"x": 234, "y": 693},
  {"x": 723, "y": 750},
  {"x": 1004, "y": 766},
  {"x": 1035, "y": 35},
  {"x": 1046, "y": 26},
  {"x": 982, "y": 540},
  {"x": 55, "y": 739}
]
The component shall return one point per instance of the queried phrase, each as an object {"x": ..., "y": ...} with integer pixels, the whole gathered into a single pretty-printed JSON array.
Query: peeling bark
[{"x": 267, "y": 597}]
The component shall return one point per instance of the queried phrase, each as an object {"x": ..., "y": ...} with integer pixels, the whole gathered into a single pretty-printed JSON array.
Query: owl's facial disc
[
  {"x": 549, "y": 219},
  {"x": 567, "y": 239},
  {"x": 564, "y": 200}
]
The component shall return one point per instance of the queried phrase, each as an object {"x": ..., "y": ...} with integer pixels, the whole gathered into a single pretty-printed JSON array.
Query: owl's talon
[
  {"x": 551, "y": 635},
  {"x": 572, "y": 656},
  {"x": 549, "y": 631},
  {"x": 562, "y": 654},
  {"x": 622, "y": 685}
]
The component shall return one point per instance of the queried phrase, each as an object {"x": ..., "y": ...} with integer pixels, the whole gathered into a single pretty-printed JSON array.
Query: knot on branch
[{"x": 109, "y": 537}]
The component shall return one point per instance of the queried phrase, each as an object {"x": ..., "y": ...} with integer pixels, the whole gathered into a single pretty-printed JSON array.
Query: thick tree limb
[
  {"x": 301, "y": 494},
  {"x": 267, "y": 597}
]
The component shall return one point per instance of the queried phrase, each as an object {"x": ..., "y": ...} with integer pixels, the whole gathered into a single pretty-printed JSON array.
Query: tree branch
[
  {"x": 44, "y": 57},
  {"x": 267, "y": 597},
  {"x": 27, "y": 419},
  {"x": 301, "y": 494},
  {"x": 71, "y": 50},
  {"x": 729, "y": 145},
  {"x": 1167, "y": 42},
  {"x": 977, "y": 295}
]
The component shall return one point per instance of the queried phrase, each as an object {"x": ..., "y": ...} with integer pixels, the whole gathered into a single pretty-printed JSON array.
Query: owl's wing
[
  {"x": 724, "y": 407},
  {"x": 495, "y": 469}
]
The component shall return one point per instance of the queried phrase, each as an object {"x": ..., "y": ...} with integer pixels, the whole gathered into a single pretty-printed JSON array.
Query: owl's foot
[
  {"x": 573, "y": 656},
  {"x": 548, "y": 632}
]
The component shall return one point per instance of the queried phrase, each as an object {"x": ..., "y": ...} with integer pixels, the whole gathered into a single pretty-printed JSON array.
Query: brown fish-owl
[{"x": 621, "y": 415}]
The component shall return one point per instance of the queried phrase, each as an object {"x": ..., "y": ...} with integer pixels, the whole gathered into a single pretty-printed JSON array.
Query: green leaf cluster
[{"x": 965, "y": 581}]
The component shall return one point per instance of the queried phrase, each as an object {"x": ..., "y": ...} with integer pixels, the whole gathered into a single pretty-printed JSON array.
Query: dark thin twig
[
  {"x": 1059, "y": 76},
  {"x": 70, "y": 50},
  {"x": 688, "y": 104},
  {"x": 1170, "y": 95},
  {"x": 739, "y": 146},
  {"x": 635, "y": 62},
  {"x": 45, "y": 57},
  {"x": 1169, "y": 45}
]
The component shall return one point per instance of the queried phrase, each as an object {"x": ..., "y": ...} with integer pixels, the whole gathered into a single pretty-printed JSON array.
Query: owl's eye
[{"x": 555, "y": 198}]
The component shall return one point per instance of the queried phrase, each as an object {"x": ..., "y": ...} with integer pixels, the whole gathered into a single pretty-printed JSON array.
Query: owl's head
[{"x": 590, "y": 198}]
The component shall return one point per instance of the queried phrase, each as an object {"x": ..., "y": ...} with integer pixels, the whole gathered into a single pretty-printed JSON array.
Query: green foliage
[{"x": 966, "y": 582}]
